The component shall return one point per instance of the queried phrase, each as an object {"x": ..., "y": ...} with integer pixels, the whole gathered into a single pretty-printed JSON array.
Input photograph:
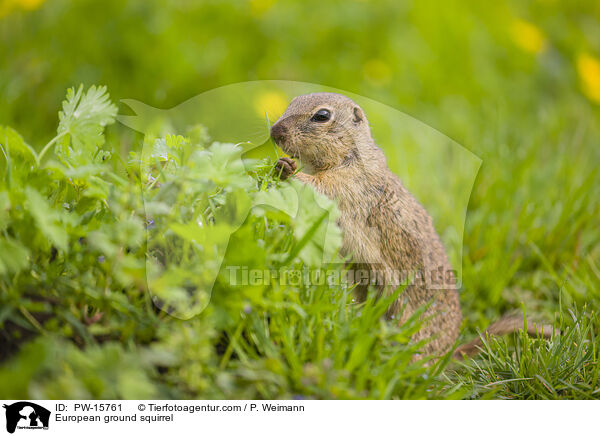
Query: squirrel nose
[{"x": 278, "y": 132}]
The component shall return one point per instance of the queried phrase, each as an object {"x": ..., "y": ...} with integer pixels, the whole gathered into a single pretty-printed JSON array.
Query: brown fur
[
  {"x": 501, "y": 327},
  {"x": 385, "y": 228}
]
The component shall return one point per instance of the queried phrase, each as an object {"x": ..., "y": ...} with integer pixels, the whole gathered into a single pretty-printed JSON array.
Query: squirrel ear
[{"x": 358, "y": 115}]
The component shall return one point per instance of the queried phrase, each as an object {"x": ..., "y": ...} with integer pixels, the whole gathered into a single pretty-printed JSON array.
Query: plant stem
[
  {"x": 31, "y": 319},
  {"x": 48, "y": 145}
]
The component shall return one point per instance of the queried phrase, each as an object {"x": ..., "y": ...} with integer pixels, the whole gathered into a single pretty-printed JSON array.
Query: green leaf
[
  {"x": 15, "y": 144},
  {"x": 160, "y": 150},
  {"x": 4, "y": 209},
  {"x": 13, "y": 256},
  {"x": 46, "y": 218},
  {"x": 83, "y": 118}
]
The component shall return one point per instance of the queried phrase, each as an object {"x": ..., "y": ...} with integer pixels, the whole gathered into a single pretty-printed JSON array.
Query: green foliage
[
  {"x": 100, "y": 372},
  {"x": 81, "y": 289},
  {"x": 509, "y": 80},
  {"x": 83, "y": 118}
]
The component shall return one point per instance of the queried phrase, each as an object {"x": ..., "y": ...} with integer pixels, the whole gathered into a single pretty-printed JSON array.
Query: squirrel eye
[{"x": 321, "y": 116}]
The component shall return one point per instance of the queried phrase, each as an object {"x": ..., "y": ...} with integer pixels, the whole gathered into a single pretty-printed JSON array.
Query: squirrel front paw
[{"x": 285, "y": 167}]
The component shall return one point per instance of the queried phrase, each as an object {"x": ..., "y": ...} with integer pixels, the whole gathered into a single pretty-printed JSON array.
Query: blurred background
[
  {"x": 456, "y": 65},
  {"x": 515, "y": 82}
]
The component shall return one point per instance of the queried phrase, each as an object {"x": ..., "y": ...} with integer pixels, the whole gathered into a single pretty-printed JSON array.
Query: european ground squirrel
[{"x": 387, "y": 232}]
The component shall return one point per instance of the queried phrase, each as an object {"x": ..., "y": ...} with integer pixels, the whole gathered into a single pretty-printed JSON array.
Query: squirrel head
[{"x": 324, "y": 130}]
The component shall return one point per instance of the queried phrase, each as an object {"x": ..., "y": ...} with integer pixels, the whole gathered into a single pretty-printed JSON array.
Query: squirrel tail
[{"x": 503, "y": 326}]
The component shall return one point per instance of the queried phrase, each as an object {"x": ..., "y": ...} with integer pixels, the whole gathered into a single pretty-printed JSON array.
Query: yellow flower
[
  {"x": 30, "y": 4},
  {"x": 273, "y": 103},
  {"x": 258, "y": 7},
  {"x": 588, "y": 67},
  {"x": 377, "y": 72},
  {"x": 528, "y": 36},
  {"x": 8, "y": 6}
]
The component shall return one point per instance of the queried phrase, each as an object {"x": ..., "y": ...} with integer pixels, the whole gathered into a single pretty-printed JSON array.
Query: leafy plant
[{"x": 79, "y": 270}]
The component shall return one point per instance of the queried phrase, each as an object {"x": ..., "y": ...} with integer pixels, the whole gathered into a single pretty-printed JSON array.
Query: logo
[
  {"x": 26, "y": 415},
  {"x": 424, "y": 159}
]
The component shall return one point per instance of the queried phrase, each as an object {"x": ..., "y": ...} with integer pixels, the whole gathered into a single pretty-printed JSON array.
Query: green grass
[
  {"x": 565, "y": 367},
  {"x": 77, "y": 278},
  {"x": 74, "y": 279}
]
